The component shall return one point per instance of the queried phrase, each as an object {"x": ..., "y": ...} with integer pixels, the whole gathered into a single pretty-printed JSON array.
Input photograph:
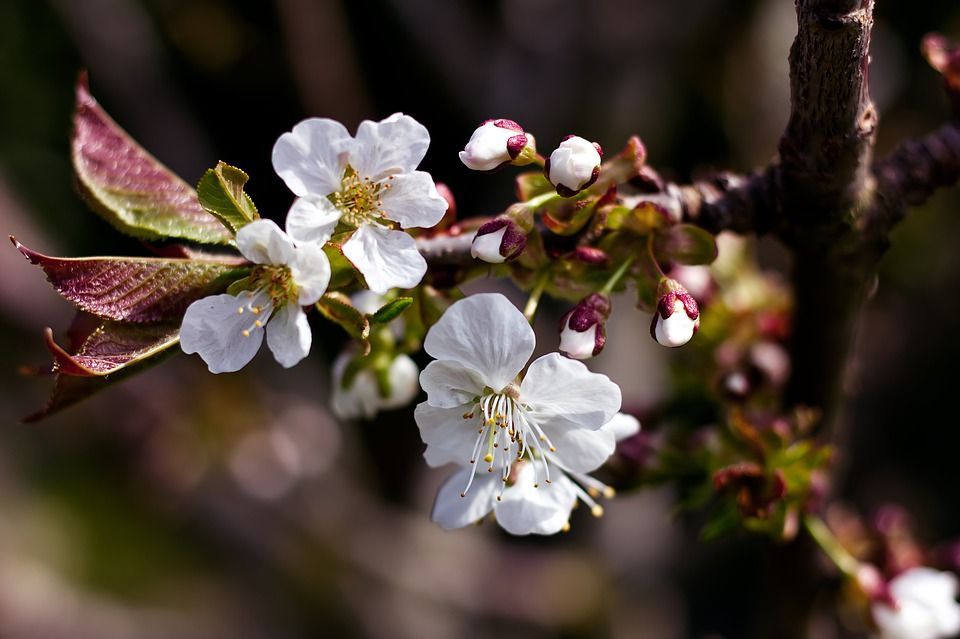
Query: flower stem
[
  {"x": 653, "y": 257},
  {"x": 617, "y": 276},
  {"x": 530, "y": 310},
  {"x": 831, "y": 546},
  {"x": 541, "y": 199}
]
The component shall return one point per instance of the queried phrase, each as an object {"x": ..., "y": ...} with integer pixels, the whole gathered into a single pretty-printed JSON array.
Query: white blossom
[
  {"x": 227, "y": 330},
  {"x": 367, "y": 183},
  {"x": 479, "y": 412},
  {"x": 363, "y": 397},
  {"x": 926, "y": 606},
  {"x": 574, "y": 165}
]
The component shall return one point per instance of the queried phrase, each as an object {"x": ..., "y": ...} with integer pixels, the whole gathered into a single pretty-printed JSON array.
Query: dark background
[{"x": 183, "y": 504}]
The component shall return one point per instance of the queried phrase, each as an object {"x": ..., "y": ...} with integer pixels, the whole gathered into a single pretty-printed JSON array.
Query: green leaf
[
  {"x": 221, "y": 194},
  {"x": 390, "y": 310},
  {"x": 109, "y": 353},
  {"x": 135, "y": 289},
  {"x": 685, "y": 244},
  {"x": 337, "y": 308},
  {"x": 342, "y": 272},
  {"x": 130, "y": 188}
]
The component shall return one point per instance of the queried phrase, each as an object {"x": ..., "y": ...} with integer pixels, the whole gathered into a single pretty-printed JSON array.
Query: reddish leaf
[
  {"x": 129, "y": 187},
  {"x": 111, "y": 353},
  {"x": 133, "y": 289}
]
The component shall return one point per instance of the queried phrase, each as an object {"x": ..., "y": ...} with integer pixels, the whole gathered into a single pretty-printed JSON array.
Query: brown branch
[{"x": 914, "y": 170}]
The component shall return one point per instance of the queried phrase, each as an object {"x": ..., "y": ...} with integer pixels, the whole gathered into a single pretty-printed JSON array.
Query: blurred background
[{"x": 180, "y": 504}]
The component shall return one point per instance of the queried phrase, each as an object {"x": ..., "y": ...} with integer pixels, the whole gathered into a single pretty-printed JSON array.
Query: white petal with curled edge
[
  {"x": 412, "y": 199},
  {"x": 262, "y": 242},
  {"x": 448, "y": 436},
  {"x": 288, "y": 335},
  {"x": 527, "y": 510},
  {"x": 579, "y": 449},
  {"x": 486, "y": 333},
  {"x": 622, "y": 426},
  {"x": 449, "y": 384},
  {"x": 310, "y": 270},
  {"x": 312, "y": 220},
  {"x": 387, "y": 259},
  {"x": 450, "y": 510},
  {"x": 487, "y": 147},
  {"x": 213, "y": 328},
  {"x": 578, "y": 344},
  {"x": 486, "y": 247},
  {"x": 555, "y": 386},
  {"x": 312, "y": 157},
  {"x": 391, "y": 146}
]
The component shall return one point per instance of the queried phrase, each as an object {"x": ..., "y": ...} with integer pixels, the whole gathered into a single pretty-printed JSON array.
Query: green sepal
[
  {"x": 391, "y": 310},
  {"x": 337, "y": 308},
  {"x": 221, "y": 194},
  {"x": 532, "y": 184}
]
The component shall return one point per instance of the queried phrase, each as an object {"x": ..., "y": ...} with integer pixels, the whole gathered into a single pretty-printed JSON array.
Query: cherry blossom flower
[
  {"x": 227, "y": 330},
  {"x": 367, "y": 184},
  {"x": 523, "y": 507},
  {"x": 926, "y": 606},
  {"x": 677, "y": 318},
  {"x": 582, "y": 328},
  {"x": 479, "y": 412}
]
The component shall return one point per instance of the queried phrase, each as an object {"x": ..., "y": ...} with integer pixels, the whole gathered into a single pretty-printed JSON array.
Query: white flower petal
[
  {"x": 367, "y": 302},
  {"x": 486, "y": 247},
  {"x": 542, "y": 510},
  {"x": 213, "y": 328},
  {"x": 486, "y": 333},
  {"x": 622, "y": 426},
  {"x": 573, "y": 162},
  {"x": 310, "y": 270},
  {"x": 579, "y": 449},
  {"x": 387, "y": 259},
  {"x": 312, "y": 220},
  {"x": 391, "y": 146},
  {"x": 450, "y": 510},
  {"x": 311, "y": 158},
  {"x": 927, "y": 606},
  {"x": 449, "y": 384},
  {"x": 288, "y": 335},
  {"x": 262, "y": 242},
  {"x": 487, "y": 147},
  {"x": 578, "y": 344},
  {"x": 676, "y": 330},
  {"x": 412, "y": 200},
  {"x": 448, "y": 436},
  {"x": 557, "y": 387}
]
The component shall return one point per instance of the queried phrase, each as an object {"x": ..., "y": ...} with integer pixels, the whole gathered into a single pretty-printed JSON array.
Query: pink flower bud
[
  {"x": 677, "y": 318},
  {"x": 582, "y": 333},
  {"x": 495, "y": 143},
  {"x": 574, "y": 165},
  {"x": 498, "y": 240}
]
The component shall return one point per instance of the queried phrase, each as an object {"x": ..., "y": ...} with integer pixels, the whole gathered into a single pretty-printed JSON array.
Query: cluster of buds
[
  {"x": 677, "y": 318},
  {"x": 582, "y": 333}
]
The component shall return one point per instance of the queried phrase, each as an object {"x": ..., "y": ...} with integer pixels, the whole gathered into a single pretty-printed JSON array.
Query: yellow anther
[
  {"x": 609, "y": 492},
  {"x": 565, "y": 527},
  {"x": 593, "y": 492},
  {"x": 245, "y": 333},
  {"x": 553, "y": 449},
  {"x": 597, "y": 511},
  {"x": 240, "y": 311},
  {"x": 488, "y": 458},
  {"x": 259, "y": 324},
  {"x": 255, "y": 310}
]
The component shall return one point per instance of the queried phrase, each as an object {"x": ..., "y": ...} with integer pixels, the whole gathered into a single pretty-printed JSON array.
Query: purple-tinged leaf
[
  {"x": 685, "y": 244},
  {"x": 110, "y": 353},
  {"x": 134, "y": 289},
  {"x": 129, "y": 187}
]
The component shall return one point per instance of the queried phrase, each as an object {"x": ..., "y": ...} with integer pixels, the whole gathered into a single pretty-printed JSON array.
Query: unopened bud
[
  {"x": 677, "y": 317},
  {"x": 582, "y": 332},
  {"x": 574, "y": 165},
  {"x": 591, "y": 255},
  {"x": 498, "y": 142},
  {"x": 498, "y": 240}
]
